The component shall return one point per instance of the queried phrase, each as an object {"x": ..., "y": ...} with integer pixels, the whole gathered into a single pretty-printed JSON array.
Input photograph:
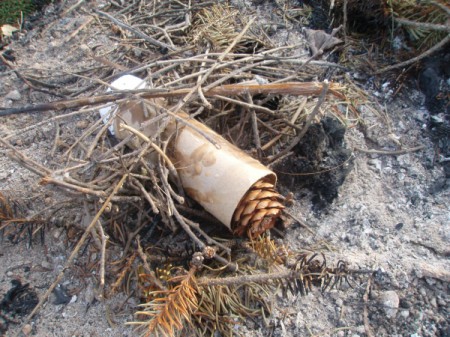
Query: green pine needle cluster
[
  {"x": 12, "y": 11},
  {"x": 423, "y": 11}
]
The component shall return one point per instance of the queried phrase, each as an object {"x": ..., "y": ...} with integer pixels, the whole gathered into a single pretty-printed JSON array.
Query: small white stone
[
  {"x": 423, "y": 292},
  {"x": 46, "y": 265},
  {"x": 57, "y": 233},
  {"x": 26, "y": 330},
  {"x": 404, "y": 313},
  {"x": 14, "y": 95},
  {"x": 433, "y": 302},
  {"x": 390, "y": 302},
  {"x": 360, "y": 329}
]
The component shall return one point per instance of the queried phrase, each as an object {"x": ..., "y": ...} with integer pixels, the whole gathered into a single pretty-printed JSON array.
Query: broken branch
[{"x": 288, "y": 88}]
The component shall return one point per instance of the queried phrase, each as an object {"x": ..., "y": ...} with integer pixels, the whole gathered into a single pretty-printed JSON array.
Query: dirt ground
[{"x": 391, "y": 215}]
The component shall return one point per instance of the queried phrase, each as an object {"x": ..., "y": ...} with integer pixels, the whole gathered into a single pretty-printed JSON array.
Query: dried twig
[
  {"x": 441, "y": 6},
  {"x": 246, "y": 279},
  {"x": 23, "y": 78},
  {"x": 104, "y": 240},
  {"x": 424, "y": 25},
  {"x": 74, "y": 253},
  {"x": 344, "y": 24},
  {"x": 49, "y": 180},
  {"x": 289, "y": 88},
  {"x": 430, "y": 51},
  {"x": 301, "y": 223},
  {"x": 366, "y": 311},
  {"x": 147, "y": 196},
  {"x": 26, "y": 161},
  {"x": 392, "y": 153}
]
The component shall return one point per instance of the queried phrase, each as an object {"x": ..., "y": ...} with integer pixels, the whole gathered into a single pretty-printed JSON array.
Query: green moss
[{"x": 12, "y": 11}]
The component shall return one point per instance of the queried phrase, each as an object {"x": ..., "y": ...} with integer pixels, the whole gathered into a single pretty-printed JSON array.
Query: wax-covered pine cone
[{"x": 258, "y": 210}]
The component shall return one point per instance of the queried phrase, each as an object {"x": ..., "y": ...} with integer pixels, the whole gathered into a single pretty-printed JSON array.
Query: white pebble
[
  {"x": 14, "y": 95},
  {"x": 390, "y": 302}
]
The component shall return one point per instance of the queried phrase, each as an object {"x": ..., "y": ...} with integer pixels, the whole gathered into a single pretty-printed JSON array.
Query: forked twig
[{"x": 74, "y": 253}]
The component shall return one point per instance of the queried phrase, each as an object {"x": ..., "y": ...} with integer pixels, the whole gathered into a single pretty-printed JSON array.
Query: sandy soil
[{"x": 392, "y": 215}]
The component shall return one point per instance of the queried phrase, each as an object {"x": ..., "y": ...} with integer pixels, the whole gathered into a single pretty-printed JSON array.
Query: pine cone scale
[{"x": 258, "y": 210}]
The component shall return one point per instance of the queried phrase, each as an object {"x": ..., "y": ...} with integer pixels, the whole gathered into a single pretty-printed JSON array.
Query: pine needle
[{"x": 170, "y": 308}]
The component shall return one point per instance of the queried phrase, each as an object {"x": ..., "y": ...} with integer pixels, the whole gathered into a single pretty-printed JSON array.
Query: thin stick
[
  {"x": 441, "y": 6},
  {"x": 254, "y": 120},
  {"x": 23, "y": 78},
  {"x": 74, "y": 253},
  {"x": 56, "y": 141},
  {"x": 209, "y": 239},
  {"x": 417, "y": 58},
  {"x": 366, "y": 312},
  {"x": 247, "y": 105},
  {"x": 424, "y": 25},
  {"x": 54, "y": 119},
  {"x": 147, "y": 268},
  {"x": 147, "y": 196},
  {"x": 279, "y": 159},
  {"x": 299, "y": 221},
  {"x": 94, "y": 233},
  {"x": 182, "y": 221},
  {"x": 97, "y": 137},
  {"x": 76, "y": 31},
  {"x": 28, "y": 163},
  {"x": 288, "y": 88},
  {"x": 391, "y": 153},
  {"x": 70, "y": 9},
  {"x": 104, "y": 239},
  {"x": 185, "y": 121},
  {"x": 199, "y": 80},
  {"x": 245, "y": 279},
  {"x": 344, "y": 24},
  {"x": 50, "y": 180},
  {"x": 85, "y": 134}
]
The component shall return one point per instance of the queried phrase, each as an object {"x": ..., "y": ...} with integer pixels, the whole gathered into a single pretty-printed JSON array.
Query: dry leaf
[{"x": 8, "y": 30}]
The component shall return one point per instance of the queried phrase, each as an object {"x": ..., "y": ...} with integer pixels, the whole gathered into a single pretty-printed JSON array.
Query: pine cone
[{"x": 258, "y": 210}]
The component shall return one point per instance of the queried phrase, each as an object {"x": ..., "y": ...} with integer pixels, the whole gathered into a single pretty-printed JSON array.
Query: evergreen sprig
[{"x": 12, "y": 11}]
